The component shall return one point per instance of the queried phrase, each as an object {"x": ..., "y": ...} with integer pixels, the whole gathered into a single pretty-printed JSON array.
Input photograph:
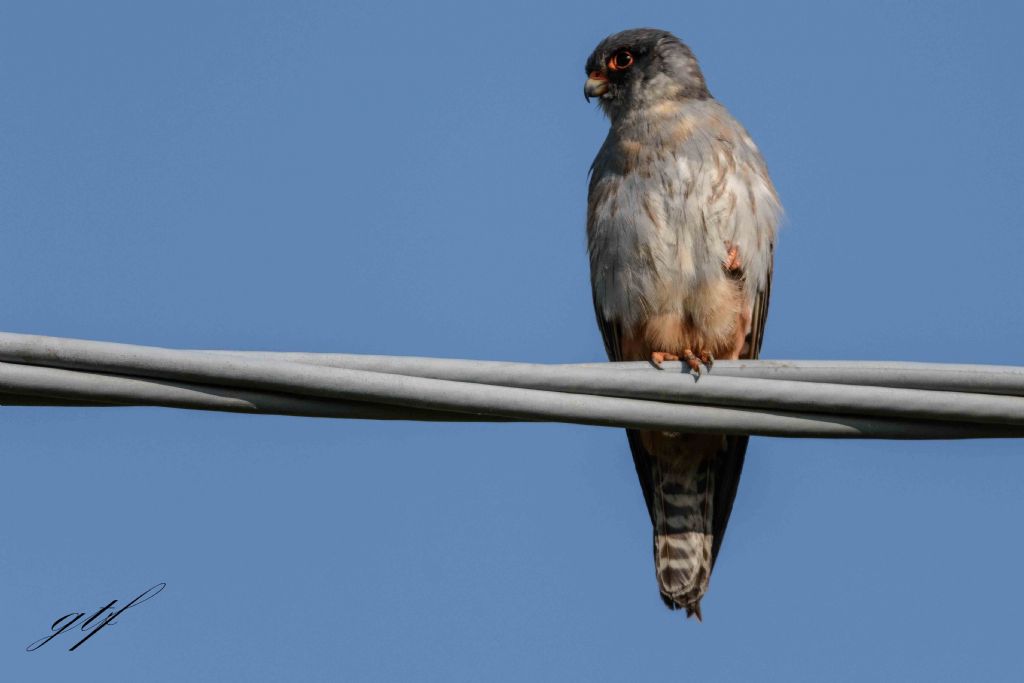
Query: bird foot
[
  {"x": 732, "y": 258},
  {"x": 692, "y": 359},
  {"x": 659, "y": 357}
]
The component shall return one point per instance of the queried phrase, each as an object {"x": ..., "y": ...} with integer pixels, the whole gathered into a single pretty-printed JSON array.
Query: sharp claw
[
  {"x": 692, "y": 361},
  {"x": 708, "y": 359}
]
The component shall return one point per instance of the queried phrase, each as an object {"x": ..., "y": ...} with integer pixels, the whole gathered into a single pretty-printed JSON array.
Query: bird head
[{"x": 642, "y": 67}]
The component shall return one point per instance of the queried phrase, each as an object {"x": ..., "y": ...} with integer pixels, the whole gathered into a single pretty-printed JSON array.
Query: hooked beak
[{"x": 596, "y": 85}]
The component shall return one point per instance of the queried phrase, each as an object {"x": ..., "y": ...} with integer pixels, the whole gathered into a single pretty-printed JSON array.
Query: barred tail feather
[
  {"x": 682, "y": 511},
  {"x": 689, "y": 482}
]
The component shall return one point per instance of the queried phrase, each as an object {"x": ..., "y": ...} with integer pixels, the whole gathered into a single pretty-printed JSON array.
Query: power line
[{"x": 836, "y": 399}]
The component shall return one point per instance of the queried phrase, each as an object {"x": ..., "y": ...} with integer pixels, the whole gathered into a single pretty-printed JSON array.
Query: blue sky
[{"x": 410, "y": 178}]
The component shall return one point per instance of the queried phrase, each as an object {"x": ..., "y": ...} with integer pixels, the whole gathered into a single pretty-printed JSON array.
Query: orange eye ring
[{"x": 620, "y": 61}]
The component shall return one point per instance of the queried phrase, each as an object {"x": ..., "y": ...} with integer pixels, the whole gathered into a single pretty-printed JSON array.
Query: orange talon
[
  {"x": 659, "y": 357},
  {"x": 692, "y": 360},
  {"x": 732, "y": 258}
]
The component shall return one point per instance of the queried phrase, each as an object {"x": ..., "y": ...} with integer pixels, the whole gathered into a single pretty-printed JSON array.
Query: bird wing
[
  {"x": 729, "y": 463},
  {"x": 611, "y": 333}
]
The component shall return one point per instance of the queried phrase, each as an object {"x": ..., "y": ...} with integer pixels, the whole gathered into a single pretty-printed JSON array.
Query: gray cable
[
  {"x": 811, "y": 399},
  {"x": 28, "y": 385},
  {"x": 715, "y": 388}
]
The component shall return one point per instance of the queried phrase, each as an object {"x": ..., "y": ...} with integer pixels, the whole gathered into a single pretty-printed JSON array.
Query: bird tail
[
  {"x": 689, "y": 482},
  {"x": 681, "y": 515}
]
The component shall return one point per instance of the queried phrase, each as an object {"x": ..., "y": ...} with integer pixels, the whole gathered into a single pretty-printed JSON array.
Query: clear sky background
[{"x": 410, "y": 178}]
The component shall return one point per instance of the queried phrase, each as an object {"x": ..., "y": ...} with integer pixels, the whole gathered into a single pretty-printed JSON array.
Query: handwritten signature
[{"x": 69, "y": 620}]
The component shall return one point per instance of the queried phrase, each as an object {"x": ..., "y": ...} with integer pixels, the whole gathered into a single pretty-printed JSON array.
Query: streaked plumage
[{"x": 677, "y": 184}]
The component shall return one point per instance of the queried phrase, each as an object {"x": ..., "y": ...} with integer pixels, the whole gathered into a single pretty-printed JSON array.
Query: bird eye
[{"x": 621, "y": 60}]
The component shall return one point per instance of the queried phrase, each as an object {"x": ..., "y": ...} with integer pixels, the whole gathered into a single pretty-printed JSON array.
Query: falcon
[{"x": 681, "y": 225}]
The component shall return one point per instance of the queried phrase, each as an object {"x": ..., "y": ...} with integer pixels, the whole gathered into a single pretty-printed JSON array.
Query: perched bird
[{"x": 681, "y": 225}]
